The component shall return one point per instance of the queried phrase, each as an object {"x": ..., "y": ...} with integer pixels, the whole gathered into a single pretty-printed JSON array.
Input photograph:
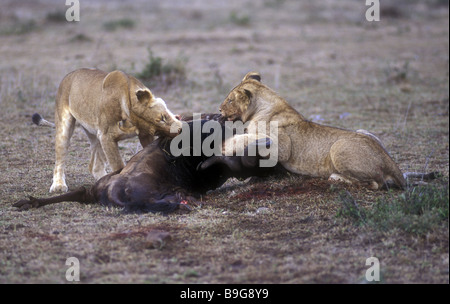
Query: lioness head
[
  {"x": 235, "y": 106},
  {"x": 152, "y": 116}
]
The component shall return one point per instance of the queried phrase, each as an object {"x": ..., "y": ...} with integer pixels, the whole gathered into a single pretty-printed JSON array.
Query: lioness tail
[
  {"x": 40, "y": 121},
  {"x": 422, "y": 176}
]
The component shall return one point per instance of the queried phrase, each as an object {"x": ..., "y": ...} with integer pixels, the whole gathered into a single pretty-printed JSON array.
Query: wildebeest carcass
[{"x": 154, "y": 180}]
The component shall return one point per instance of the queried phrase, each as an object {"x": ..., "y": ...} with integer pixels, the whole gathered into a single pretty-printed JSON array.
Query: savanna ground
[{"x": 390, "y": 77}]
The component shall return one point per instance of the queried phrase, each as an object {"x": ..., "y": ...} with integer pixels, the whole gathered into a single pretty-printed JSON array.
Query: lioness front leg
[
  {"x": 237, "y": 144},
  {"x": 111, "y": 150},
  {"x": 65, "y": 124}
]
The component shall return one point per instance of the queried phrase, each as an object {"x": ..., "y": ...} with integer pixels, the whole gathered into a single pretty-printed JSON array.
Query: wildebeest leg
[{"x": 80, "y": 195}]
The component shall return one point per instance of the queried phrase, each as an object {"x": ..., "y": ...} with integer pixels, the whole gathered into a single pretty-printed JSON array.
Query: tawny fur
[
  {"x": 309, "y": 148},
  {"x": 110, "y": 107}
]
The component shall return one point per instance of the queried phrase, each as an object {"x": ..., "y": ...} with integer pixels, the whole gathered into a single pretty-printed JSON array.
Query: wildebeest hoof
[{"x": 27, "y": 204}]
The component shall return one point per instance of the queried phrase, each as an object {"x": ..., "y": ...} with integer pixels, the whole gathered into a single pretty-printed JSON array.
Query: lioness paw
[{"x": 57, "y": 187}]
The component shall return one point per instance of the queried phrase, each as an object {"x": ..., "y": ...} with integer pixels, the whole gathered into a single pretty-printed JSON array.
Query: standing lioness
[
  {"x": 311, "y": 149},
  {"x": 109, "y": 107}
]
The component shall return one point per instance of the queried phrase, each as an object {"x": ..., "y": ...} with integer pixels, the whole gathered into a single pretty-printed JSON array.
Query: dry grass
[{"x": 391, "y": 78}]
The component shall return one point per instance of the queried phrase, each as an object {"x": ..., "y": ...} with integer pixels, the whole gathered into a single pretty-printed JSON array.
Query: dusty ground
[{"x": 390, "y": 77}]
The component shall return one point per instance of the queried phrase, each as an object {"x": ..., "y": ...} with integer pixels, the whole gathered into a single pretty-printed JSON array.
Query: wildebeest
[{"x": 154, "y": 180}]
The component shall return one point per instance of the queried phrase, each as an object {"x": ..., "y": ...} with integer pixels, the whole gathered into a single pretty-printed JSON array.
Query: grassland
[{"x": 390, "y": 77}]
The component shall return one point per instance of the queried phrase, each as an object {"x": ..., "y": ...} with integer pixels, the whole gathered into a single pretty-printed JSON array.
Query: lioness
[
  {"x": 110, "y": 107},
  {"x": 309, "y": 148}
]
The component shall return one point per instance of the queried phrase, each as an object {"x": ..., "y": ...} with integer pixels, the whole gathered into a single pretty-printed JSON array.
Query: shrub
[
  {"x": 19, "y": 28},
  {"x": 241, "y": 20},
  {"x": 157, "y": 72},
  {"x": 125, "y": 23}
]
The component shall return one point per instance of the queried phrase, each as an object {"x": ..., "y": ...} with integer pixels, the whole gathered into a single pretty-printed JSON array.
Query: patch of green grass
[
  {"x": 156, "y": 71},
  {"x": 80, "y": 38},
  {"x": 241, "y": 20},
  {"x": 274, "y": 3},
  {"x": 19, "y": 28},
  {"x": 350, "y": 209},
  {"x": 416, "y": 211},
  {"x": 398, "y": 73},
  {"x": 125, "y": 23},
  {"x": 153, "y": 68},
  {"x": 191, "y": 273}
]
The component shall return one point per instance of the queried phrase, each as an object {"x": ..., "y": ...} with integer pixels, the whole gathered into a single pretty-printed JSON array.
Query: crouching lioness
[
  {"x": 110, "y": 107},
  {"x": 311, "y": 149}
]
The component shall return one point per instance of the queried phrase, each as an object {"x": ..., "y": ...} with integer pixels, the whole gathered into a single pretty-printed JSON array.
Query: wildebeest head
[{"x": 201, "y": 172}]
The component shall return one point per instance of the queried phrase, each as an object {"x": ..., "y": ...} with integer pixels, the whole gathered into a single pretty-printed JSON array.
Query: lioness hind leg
[
  {"x": 373, "y": 185},
  {"x": 111, "y": 151},
  {"x": 97, "y": 165},
  {"x": 356, "y": 160},
  {"x": 339, "y": 178}
]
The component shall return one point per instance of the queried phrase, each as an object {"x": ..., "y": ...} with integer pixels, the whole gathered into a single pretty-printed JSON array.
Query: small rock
[
  {"x": 344, "y": 115},
  {"x": 157, "y": 239},
  {"x": 262, "y": 210},
  {"x": 316, "y": 118},
  {"x": 406, "y": 88}
]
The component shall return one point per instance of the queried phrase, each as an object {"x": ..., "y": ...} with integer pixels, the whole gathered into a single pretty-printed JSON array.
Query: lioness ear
[
  {"x": 143, "y": 95},
  {"x": 252, "y": 75},
  {"x": 248, "y": 93}
]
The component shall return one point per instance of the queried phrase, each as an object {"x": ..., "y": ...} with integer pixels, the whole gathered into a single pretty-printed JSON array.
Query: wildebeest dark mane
[{"x": 184, "y": 168}]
